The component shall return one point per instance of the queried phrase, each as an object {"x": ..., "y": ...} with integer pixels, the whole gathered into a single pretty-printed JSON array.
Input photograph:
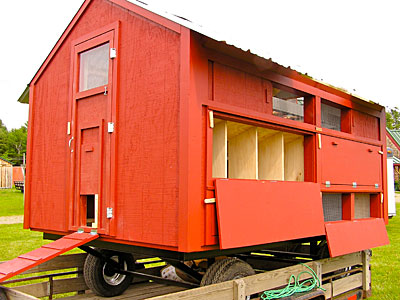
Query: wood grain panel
[
  {"x": 220, "y": 150},
  {"x": 271, "y": 157},
  {"x": 242, "y": 155},
  {"x": 294, "y": 159}
]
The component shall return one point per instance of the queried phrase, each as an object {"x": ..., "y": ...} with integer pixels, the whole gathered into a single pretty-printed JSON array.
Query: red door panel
[
  {"x": 345, "y": 162},
  {"x": 91, "y": 142},
  {"x": 346, "y": 237},
  {"x": 254, "y": 212},
  {"x": 90, "y": 161}
]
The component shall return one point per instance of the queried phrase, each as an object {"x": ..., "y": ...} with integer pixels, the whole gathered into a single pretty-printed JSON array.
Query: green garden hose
[{"x": 294, "y": 286}]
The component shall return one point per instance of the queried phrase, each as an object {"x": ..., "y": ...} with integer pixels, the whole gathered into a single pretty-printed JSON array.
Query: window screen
[
  {"x": 332, "y": 205},
  {"x": 330, "y": 117},
  {"x": 93, "y": 67}
]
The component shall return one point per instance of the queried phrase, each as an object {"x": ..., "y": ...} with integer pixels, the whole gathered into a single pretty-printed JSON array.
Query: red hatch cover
[
  {"x": 254, "y": 212},
  {"x": 346, "y": 237},
  {"x": 38, "y": 256}
]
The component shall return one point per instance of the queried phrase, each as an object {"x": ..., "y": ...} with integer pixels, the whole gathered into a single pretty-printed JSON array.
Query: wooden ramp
[{"x": 38, "y": 256}]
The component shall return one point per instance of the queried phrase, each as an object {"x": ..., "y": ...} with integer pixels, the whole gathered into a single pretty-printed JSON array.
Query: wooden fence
[
  {"x": 342, "y": 275},
  {"x": 6, "y": 176}
]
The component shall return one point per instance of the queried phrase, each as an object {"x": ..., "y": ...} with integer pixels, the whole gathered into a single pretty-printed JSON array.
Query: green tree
[
  {"x": 13, "y": 143},
  {"x": 393, "y": 118},
  {"x": 3, "y": 138}
]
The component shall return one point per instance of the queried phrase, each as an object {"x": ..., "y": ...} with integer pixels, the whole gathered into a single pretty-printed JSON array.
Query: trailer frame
[{"x": 341, "y": 277}]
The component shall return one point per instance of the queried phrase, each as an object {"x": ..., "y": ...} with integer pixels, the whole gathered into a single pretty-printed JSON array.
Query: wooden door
[{"x": 91, "y": 203}]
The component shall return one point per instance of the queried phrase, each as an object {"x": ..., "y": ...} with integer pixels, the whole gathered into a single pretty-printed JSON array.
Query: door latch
[
  {"x": 109, "y": 212},
  {"x": 110, "y": 127},
  {"x": 105, "y": 90},
  {"x": 69, "y": 144}
]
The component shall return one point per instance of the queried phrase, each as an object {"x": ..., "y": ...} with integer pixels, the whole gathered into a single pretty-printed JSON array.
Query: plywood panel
[
  {"x": 220, "y": 150},
  {"x": 271, "y": 156},
  {"x": 242, "y": 155},
  {"x": 294, "y": 159}
]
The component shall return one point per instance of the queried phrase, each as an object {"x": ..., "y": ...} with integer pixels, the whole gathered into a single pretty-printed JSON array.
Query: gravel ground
[{"x": 11, "y": 220}]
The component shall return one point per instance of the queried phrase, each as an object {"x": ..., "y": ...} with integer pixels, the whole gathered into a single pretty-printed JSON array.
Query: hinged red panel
[
  {"x": 36, "y": 257},
  {"x": 346, "y": 237},
  {"x": 345, "y": 162},
  {"x": 254, "y": 212}
]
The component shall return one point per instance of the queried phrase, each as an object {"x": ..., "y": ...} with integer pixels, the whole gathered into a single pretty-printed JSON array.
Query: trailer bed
[{"x": 340, "y": 276}]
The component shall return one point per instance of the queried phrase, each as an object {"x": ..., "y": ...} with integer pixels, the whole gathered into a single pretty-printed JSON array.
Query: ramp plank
[{"x": 36, "y": 257}]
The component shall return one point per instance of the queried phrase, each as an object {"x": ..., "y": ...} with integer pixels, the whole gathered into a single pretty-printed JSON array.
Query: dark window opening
[{"x": 90, "y": 210}]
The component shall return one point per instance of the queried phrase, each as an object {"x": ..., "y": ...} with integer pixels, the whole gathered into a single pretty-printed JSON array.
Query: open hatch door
[
  {"x": 346, "y": 237},
  {"x": 38, "y": 256}
]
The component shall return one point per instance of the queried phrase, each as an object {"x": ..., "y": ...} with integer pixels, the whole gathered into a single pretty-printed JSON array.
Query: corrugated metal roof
[
  {"x": 396, "y": 160},
  {"x": 232, "y": 42},
  {"x": 395, "y": 134}
]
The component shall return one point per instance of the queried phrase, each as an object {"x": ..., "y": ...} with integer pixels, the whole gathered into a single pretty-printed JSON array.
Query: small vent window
[
  {"x": 288, "y": 104},
  {"x": 362, "y": 206},
  {"x": 332, "y": 205},
  {"x": 93, "y": 71},
  {"x": 330, "y": 117}
]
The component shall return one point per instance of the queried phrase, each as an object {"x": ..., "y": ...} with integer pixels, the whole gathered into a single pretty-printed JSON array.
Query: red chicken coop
[{"x": 160, "y": 139}]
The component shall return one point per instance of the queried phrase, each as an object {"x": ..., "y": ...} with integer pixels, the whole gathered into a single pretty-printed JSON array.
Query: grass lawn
[
  {"x": 385, "y": 264},
  {"x": 11, "y": 202},
  {"x": 16, "y": 241}
]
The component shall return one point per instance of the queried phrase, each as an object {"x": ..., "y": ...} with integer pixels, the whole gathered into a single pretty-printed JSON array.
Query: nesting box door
[{"x": 92, "y": 129}]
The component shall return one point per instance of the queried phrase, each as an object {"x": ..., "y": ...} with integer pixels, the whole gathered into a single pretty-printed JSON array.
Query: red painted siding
[
  {"x": 237, "y": 88},
  {"x": 365, "y": 125},
  {"x": 147, "y": 127}
]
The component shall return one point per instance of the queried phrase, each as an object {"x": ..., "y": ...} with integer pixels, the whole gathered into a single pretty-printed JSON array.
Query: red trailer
[{"x": 162, "y": 140}]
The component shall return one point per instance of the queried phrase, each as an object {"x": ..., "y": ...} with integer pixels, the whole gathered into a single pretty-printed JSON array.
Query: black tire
[
  {"x": 225, "y": 270},
  {"x": 102, "y": 280}
]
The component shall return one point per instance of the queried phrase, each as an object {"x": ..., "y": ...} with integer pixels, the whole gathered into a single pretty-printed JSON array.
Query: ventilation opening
[
  {"x": 332, "y": 205},
  {"x": 362, "y": 206},
  {"x": 90, "y": 210}
]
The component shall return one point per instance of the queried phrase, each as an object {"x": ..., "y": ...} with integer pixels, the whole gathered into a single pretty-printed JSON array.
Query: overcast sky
[{"x": 350, "y": 44}]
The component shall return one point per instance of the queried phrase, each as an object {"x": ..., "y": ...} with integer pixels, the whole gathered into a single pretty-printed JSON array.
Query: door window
[{"x": 94, "y": 65}]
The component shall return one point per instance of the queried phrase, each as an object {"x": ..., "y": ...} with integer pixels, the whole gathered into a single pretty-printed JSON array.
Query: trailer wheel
[
  {"x": 102, "y": 279},
  {"x": 225, "y": 270}
]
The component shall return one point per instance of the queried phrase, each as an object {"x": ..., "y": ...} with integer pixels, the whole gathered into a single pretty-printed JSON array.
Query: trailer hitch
[{"x": 116, "y": 268}]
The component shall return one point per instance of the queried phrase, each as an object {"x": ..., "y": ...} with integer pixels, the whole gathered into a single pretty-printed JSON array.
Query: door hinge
[
  {"x": 209, "y": 200},
  {"x": 109, "y": 212},
  {"x": 113, "y": 53},
  {"x": 110, "y": 127},
  {"x": 211, "y": 116}
]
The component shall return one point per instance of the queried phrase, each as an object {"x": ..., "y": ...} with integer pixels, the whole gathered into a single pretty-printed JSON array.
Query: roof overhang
[{"x": 24, "y": 98}]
